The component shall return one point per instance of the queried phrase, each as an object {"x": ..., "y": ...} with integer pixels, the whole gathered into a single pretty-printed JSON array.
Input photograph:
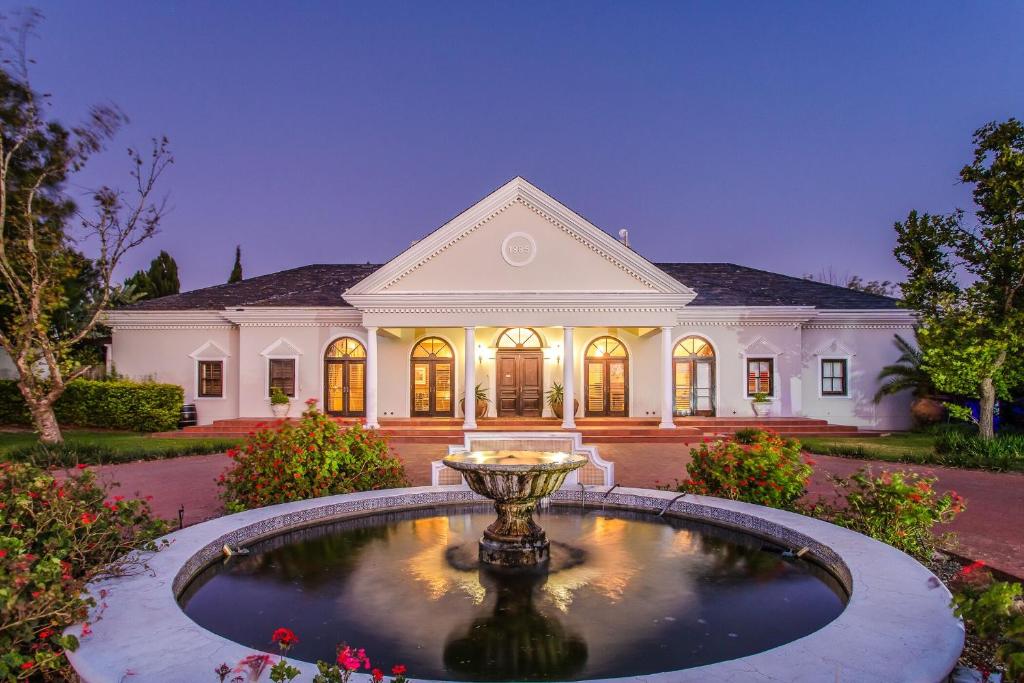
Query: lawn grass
[
  {"x": 907, "y": 447},
  {"x": 97, "y": 447}
]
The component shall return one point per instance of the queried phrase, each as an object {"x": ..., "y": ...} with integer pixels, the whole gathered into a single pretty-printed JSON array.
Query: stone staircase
[{"x": 594, "y": 429}]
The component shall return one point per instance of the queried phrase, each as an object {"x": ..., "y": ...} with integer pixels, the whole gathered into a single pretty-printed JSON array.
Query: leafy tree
[
  {"x": 236, "y": 272},
  {"x": 906, "y": 373},
  {"x": 967, "y": 282},
  {"x": 160, "y": 280},
  {"x": 52, "y": 296}
]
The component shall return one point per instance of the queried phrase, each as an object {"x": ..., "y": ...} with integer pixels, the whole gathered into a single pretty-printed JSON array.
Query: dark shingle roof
[
  {"x": 717, "y": 284},
  {"x": 316, "y": 285},
  {"x": 726, "y": 284}
]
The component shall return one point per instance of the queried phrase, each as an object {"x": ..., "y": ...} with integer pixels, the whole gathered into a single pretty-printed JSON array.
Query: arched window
[
  {"x": 693, "y": 377},
  {"x": 432, "y": 347},
  {"x": 345, "y": 378},
  {"x": 519, "y": 338},
  {"x": 693, "y": 347},
  {"x": 346, "y": 347},
  {"x": 606, "y": 368},
  {"x": 606, "y": 347},
  {"x": 433, "y": 371}
]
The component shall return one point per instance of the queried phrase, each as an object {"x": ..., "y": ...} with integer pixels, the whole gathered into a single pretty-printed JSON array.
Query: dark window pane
[
  {"x": 833, "y": 377},
  {"x": 211, "y": 378},
  {"x": 282, "y": 375}
]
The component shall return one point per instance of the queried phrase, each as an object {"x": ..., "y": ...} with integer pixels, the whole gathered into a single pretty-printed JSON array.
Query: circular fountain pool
[{"x": 626, "y": 593}]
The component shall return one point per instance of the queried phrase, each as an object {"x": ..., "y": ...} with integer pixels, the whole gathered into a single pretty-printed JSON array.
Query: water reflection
[
  {"x": 650, "y": 595},
  {"x": 516, "y": 641}
]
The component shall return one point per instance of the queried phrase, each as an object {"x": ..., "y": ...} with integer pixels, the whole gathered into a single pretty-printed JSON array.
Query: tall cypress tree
[
  {"x": 236, "y": 272},
  {"x": 160, "y": 280}
]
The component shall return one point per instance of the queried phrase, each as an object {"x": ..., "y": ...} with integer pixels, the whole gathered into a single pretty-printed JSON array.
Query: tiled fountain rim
[{"x": 896, "y": 626}]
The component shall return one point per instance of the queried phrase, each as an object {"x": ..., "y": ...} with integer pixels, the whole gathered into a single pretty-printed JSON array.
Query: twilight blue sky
[{"x": 782, "y": 135}]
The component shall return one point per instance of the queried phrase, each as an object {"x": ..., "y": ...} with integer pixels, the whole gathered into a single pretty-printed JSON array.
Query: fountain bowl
[{"x": 515, "y": 481}]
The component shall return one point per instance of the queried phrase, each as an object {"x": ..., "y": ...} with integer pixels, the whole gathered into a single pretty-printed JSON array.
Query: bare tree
[{"x": 41, "y": 228}]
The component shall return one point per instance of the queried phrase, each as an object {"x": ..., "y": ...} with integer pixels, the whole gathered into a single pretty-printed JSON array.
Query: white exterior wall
[{"x": 164, "y": 356}]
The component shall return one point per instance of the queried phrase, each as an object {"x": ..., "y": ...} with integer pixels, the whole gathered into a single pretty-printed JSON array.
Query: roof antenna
[{"x": 624, "y": 237}]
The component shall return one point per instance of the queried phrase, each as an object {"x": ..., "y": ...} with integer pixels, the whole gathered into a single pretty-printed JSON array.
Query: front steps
[{"x": 444, "y": 430}]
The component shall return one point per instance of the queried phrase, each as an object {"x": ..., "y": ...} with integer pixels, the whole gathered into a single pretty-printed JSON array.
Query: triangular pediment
[
  {"x": 282, "y": 348},
  {"x": 762, "y": 347},
  {"x": 519, "y": 239}
]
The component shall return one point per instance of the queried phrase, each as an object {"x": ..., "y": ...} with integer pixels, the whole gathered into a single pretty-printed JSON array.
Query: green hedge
[{"x": 141, "y": 407}]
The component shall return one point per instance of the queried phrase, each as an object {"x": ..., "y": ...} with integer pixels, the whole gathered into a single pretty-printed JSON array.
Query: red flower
[
  {"x": 86, "y": 629},
  {"x": 3, "y": 554},
  {"x": 45, "y": 633},
  {"x": 398, "y": 669},
  {"x": 284, "y": 637},
  {"x": 378, "y": 675},
  {"x": 27, "y": 665},
  {"x": 971, "y": 568},
  {"x": 88, "y": 518},
  {"x": 80, "y": 466}
]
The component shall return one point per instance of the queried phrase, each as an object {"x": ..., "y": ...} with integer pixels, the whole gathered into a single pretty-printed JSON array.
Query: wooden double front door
[{"x": 520, "y": 382}]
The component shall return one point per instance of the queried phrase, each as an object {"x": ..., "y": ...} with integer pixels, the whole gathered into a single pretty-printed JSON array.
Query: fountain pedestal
[{"x": 515, "y": 481}]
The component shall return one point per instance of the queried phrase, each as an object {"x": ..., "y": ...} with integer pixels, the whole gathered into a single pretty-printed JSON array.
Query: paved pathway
[{"x": 991, "y": 529}]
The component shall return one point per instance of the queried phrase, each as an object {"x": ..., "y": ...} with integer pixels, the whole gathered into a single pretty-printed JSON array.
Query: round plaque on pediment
[{"x": 518, "y": 249}]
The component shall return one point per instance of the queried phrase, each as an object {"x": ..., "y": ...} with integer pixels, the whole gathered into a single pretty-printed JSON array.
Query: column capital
[
  {"x": 371, "y": 329},
  {"x": 469, "y": 327},
  {"x": 667, "y": 328}
]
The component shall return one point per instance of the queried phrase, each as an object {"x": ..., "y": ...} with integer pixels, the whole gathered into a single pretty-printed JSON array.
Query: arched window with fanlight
[
  {"x": 345, "y": 378},
  {"x": 433, "y": 376},
  {"x": 519, "y": 338},
  {"x": 606, "y": 369},
  {"x": 693, "y": 375}
]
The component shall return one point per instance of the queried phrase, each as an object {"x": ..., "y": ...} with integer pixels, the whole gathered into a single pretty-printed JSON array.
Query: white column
[
  {"x": 568, "y": 381},
  {"x": 371, "y": 378},
  {"x": 666, "y": 379},
  {"x": 469, "y": 422}
]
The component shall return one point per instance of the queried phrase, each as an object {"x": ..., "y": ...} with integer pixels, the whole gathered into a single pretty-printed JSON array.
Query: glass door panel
[
  {"x": 595, "y": 388},
  {"x": 442, "y": 387},
  {"x": 356, "y": 387},
  {"x": 617, "y": 387},
  {"x": 421, "y": 388},
  {"x": 335, "y": 388},
  {"x": 702, "y": 388},
  {"x": 683, "y": 388}
]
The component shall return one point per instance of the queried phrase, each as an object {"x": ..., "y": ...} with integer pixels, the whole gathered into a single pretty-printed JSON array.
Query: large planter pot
[
  {"x": 927, "y": 411},
  {"x": 481, "y": 408},
  {"x": 280, "y": 409},
  {"x": 556, "y": 408},
  {"x": 762, "y": 409}
]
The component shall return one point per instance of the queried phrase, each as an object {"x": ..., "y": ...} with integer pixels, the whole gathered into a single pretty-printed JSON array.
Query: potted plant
[
  {"x": 555, "y": 397},
  {"x": 279, "y": 402},
  {"x": 762, "y": 404},
  {"x": 481, "y": 401}
]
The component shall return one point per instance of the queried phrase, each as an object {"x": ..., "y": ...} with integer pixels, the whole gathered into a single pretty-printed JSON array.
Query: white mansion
[{"x": 518, "y": 293}]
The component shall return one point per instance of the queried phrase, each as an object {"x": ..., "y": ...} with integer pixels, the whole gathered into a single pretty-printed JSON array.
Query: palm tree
[{"x": 906, "y": 373}]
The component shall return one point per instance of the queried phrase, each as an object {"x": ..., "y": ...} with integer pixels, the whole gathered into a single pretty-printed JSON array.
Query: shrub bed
[
  {"x": 958, "y": 449},
  {"x": 770, "y": 471},
  {"x": 898, "y": 508},
  {"x": 137, "y": 406},
  {"x": 993, "y": 611},
  {"x": 54, "y": 538},
  {"x": 311, "y": 458}
]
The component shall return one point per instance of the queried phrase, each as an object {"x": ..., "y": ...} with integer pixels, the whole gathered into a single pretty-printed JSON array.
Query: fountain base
[{"x": 524, "y": 552}]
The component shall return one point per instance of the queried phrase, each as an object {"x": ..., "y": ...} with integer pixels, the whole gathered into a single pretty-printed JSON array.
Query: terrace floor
[{"x": 988, "y": 530}]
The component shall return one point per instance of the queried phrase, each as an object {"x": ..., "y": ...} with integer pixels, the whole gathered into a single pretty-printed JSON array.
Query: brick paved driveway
[{"x": 992, "y": 528}]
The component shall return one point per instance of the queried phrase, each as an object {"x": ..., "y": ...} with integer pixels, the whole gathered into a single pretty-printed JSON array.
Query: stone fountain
[{"x": 515, "y": 481}]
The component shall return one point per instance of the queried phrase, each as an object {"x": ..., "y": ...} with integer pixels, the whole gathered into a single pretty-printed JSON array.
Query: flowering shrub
[
  {"x": 348, "y": 661},
  {"x": 311, "y": 458},
  {"x": 770, "y": 471},
  {"x": 995, "y": 612},
  {"x": 56, "y": 536},
  {"x": 898, "y": 508}
]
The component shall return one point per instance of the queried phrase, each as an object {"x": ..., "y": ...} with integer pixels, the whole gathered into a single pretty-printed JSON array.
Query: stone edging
[{"x": 896, "y": 626}]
